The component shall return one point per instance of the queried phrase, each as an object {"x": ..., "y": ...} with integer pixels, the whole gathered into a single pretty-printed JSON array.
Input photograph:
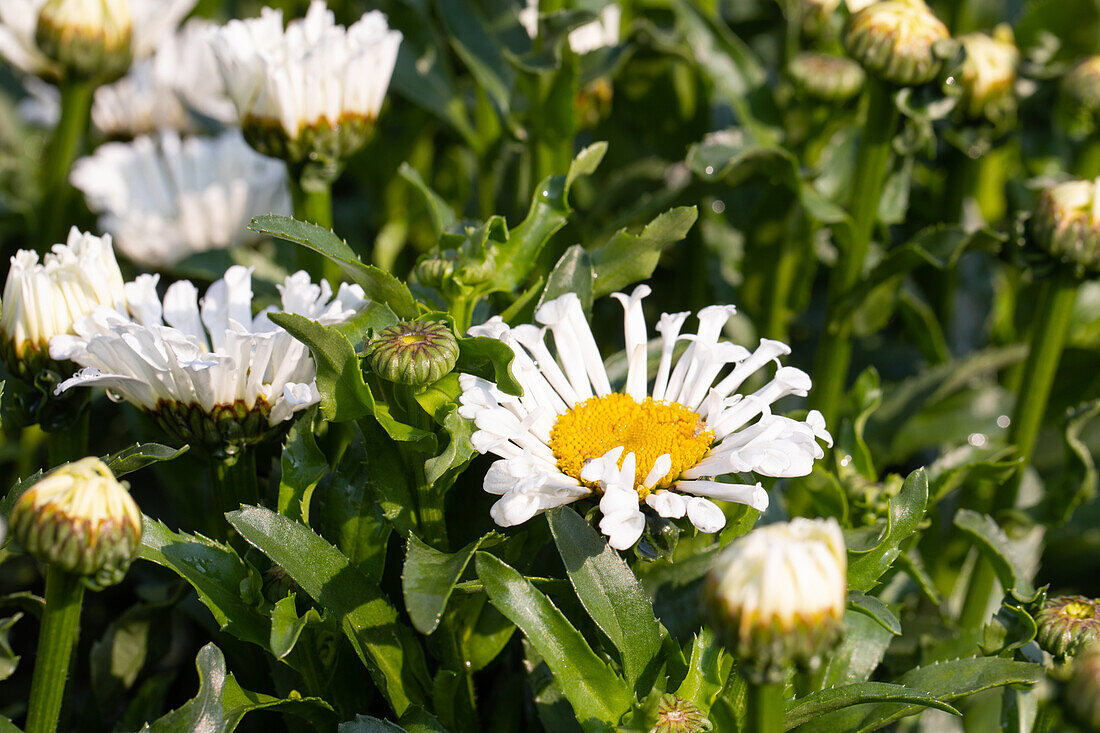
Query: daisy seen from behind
[{"x": 570, "y": 436}]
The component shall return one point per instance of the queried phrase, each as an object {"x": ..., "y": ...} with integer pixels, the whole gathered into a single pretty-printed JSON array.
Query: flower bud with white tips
[
  {"x": 776, "y": 596},
  {"x": 415, "y": 353},
  {"x": 87, "y": 38},
  {"x": 894, "y": 41},
  {"x": 1067, "y": 223},
  {"x": 79, "y": 518},
  {"x": 988, "y": 74},
  {"x": 1066, "y": 624}
]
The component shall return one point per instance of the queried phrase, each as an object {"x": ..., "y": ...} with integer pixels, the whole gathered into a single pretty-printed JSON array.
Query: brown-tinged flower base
[
  {"x": 227, "y": 429},
  {"x": 320, "y": 147},
  {"x": 1066, "y": 227}
]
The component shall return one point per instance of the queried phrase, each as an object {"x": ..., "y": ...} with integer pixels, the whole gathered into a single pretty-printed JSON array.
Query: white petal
[
  {"x": 668, "y": 504},
  {"x": 705, "y": 515},
  {"x": 623, "y": 528}
]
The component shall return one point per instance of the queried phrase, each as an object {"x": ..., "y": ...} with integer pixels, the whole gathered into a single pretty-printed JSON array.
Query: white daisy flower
[
  {"x": 185, "y": 62},
  {"x": 312, "y": 77},
  {"x": 777, "y": 595},
  {"x": 43, "y": 299},
  {"x": 151, "y": 21},
  {"x": 164, "y": 198},
  {"x": 600, "y": 33},
  {"x": 570, "y": 436},
  {"x": 207, "y": 370}
]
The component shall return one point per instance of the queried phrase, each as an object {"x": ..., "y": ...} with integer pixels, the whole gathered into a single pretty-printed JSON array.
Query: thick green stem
[
  {"x": 71, "y": 443},
  {"x": 64, "y": 147},
  {"x": 233, "y": 481},
  {"x": 313, "y": 203},
  {"x": 764, "y": 706},
  {"x": 786, "y": 269},
  {"x": 60, "y": 627},
  {"x": 979, "y": 588},
  {"x": 872, "y": 166}
]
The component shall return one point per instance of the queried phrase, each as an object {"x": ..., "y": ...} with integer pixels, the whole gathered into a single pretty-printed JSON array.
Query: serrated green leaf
[
  {"x": 906, "y": 509},
  {"x": 379, "y": 285},
  {"x": 609, "y": 593},
  {"x": 429, "y": 578},
  {"x": 443, "y": 216},
  {"x": 368, "y": 724},
  {"x": 139, "y": 456},
  {"x": 222, "y": 703},
  {"x": 708, "y": 669},
  {"x": 216, "y": 573},
  {"x": 388, "y": 649},
  {"x": 573, "y": 273},
  {"x": 876, "y": 609},
  {"x": 629, "y": 258},
  {"x": 807, "y": 708},
  {"x": 490, "y": 359},
  {"x": 597, "y": 694},
  {"x": 860, "y": 651},
  {"x": 997, "y": 548},
  {"x": 287, "y": 625},
  {"x": 303, "y": 466}
]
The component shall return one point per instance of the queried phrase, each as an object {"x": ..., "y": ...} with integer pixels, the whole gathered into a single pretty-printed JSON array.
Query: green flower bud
[
  {"x": 826, "y": 77},
  {"x": 776, "y": 596},
  {"x": 1066, "y": 224},
  {"x": 79, "y": 518},
  {"x": 1079, "y": 101},
  {"x": 1082, "y": 692},
  {"x": 894, "y": 41},
  {"x": 988, "y": 74},
  {"x": 1066, "y": 624},
  {"x": 88, "y": 38},
  {"x": 413, "y": 352},
  {"x": 869, "y": 501},
  {"x": 434, "y": 271},
  {"x": 224, "y": 429},
  {"x": 676, "y": 715}
]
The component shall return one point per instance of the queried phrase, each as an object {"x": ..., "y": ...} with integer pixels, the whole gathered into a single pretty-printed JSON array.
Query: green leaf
[
  {"x": 216, "y": 573},
  {"x": 367, "y": 724},
  {"x": 221, "y": 702},
  {"x": 573, "y": 273},
  {"x": 479, "y": 50},
  {"x": 287, "y": 625},
  {"x": 585, "y": 164},
  {"x": 490, "y": 359},
  {"x": 379, "y": 285},
  {"x": 9, "y": 660},
  {"x": 875, "y": 609},
  {"x": 860, "y": 651},
  {"x": 1077, "y": 483},
  {"x": 866, "y": 566},
  {"x": 429, "y": 579},
  {"x": 609, "y": 593},
  {"x": 708, "y": 670},
  {"x": 807, "y": 708},
  {"x": 628, "y": 258},
  {"x": 388, "y": 649},
  {"x": 988, "y": 537},
  {"x": 597, "y": 694},
  {"x": 946, "y": 681},
  {"x": 140, "y": 455},
  {"x": 443, "y": 216},
  {"x": 303, "y": 467},
  {"x": 518, "y": 255}
]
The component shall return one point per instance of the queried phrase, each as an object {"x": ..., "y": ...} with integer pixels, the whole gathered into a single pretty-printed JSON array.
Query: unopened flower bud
[
  {"x": 1067, "y": 223},
  {"x": 894, "y": 41},
  {"x": 1082, "y": 693},
  {"x": 677, "y": 715},
  {"x": 434, "y": 271},
  {"x": 988, "y": 74},
  {"x": 776, "y": 596},
  {"x": 1066, "y": 624},
  {"x": 1079, "y": 101},
  {"x": 818, "y": 16},
  {"x": 88, "y": 38},
  {"x": 826, "y": 77},
  {"x": 413, "y": 352},
  {"x": 79, "y": 518}
]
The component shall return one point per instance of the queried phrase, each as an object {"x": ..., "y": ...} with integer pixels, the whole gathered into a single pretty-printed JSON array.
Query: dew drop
[
  {"x": 976, "y": 439},
  {"x": 114, "y": 396},
  {"x": 1004, "y": 421},
  {"x": 718, "y": 206},
  {"x": 710, "y": 170}
]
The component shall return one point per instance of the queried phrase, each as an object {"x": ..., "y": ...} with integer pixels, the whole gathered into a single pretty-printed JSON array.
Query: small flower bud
[
  {"x": 1066, "y": 624},
  {"x": 894, "y": 41},
  {"x": 434, "y": 271},
  {"x": 988, "y": 74},
  {"x": 826, "y": 77},
  {"x": 88, "y": 38},
  {"x": 413, "y": 352},
  {"x": 79, "y": 518},
  {"x": 1082, "y": 693},
  {"x": 676, "y": 715},
  {"x": 818, "y": 16},
  {"x": 1079, "y": 101},
  {"x": 776, "y": 596},
  {"x": 1067, "y": 223}
]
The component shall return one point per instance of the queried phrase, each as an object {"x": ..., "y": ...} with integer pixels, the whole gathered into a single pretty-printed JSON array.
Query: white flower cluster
[
  {"x": 164, "y": 198},
  {"x": 314, "y": 72}
]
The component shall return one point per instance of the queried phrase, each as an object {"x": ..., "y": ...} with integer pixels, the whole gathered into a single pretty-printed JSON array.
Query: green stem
[
  {"x": 60, "y": 628},
  {"x": 979, "y": 588},
  {"x": 64, "y": 147},
  {"x": 233, "y": 480},
  {"x": 764, "y": 706},
  {"x": 71, "y": 443},
  {"x": 786, "y": 269},
  {"x": 313, "y": 204},
  {"x": 1088, "y": 158},
  {"x": 872, "y": 166}
]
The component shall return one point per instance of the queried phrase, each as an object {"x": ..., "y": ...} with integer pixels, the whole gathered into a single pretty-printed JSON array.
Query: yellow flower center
[{"x": 648, "y": 429}]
